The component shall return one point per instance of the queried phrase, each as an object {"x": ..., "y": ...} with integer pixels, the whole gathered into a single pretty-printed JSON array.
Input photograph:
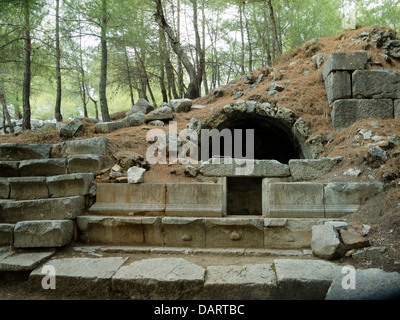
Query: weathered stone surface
[
  {"x": 184, "y": 232},
  {"x": 131, "y": 159},
  {"x": 181, "y": 105},
  {"x": 43, "y": 234},
  {"x": 6, "y": 234},
  {"x": 194, "y": 200},
  {"x": 141, "y": 106},
  {"x": 347, "y": 112},
  {"x": 303, "y": 170},
  {"x": 77, "y": 147},
  {"x": 295, "y": 200},
  {"x": 134, "y": 120},
  {"x": 370, "y": 284},
  {"x": 338, "y": 86},
  {"x": 318, "y": 59},
  {"x": 197, "y": 126},
  {"x": 8, "y": 169},
  {"x": 4, "y": 189},
  {"x": 14, "y": 261},
  {"x": 376, "y": 84},
  {"x": 346, "y": 61},
  {"x": 136, "y": 175},
  {"x": 108, "y": 127},
  {"x": 85, "y": 163},
  {"x": 42, "y": 209},
  {"x": 234, "y": 109},
  {"x": 43, "y": 168},
  {"x": 17, "y": 152},
  {"x": 69, "y": 130},
  {"x": 162, "y": 278},
  {"x": 304, "y": 279},
  {"x": 345, "y": 198},
  {"x": 302, "y": 128},
  {"x": 325, "y": 242},
  {"x": 248, "y": 282},
  {"x": 90, "y": 277},
  {"x": 163, "y": 114},
  {"x": 228, "y": 167},
  {"x": 368, "y": 253},
  {"x": 286, "y": 115},
  {"x": 397, "y": 108},
  {"x": 353, "y": 240},
  {"x": 69, "y": 185},
  {"x": 376, "y": 157},
  {"x": 216, "y": 119},
  {"x": 265, "y": 109},
  {"x": 28, "y": 188},
  {"x": 157, "y": 123}
]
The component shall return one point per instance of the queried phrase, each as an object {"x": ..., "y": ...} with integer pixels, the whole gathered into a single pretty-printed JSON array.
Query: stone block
[
  {"x": 338, "y": 86},
  {"x": 325, "y": 242},
  {"x": 397, "y": 108},
  {"x": 160, "y": 279},
  {"x": 309, "y": 169},
  {"x": 24, "y": 261},
  {"x": 4, "y": 189},
  {"x": 18, "y": 152},
  {"x": 136, "y": 175},
  {"x": 346, "y": 61},
  {"x": 76, "y": 147},
  {"x": 266, "y": 182},
  {"x": 181, "y": 105},
  {"x": 194, "y": 200},
  {"x": 353, "y": 240},
  {"x": 247, "y": 282},
  {"x": 42, "y": 168},
  {"x": 234, "y": 232},
  {"x": 347, "y": 112},
  {"x": 28, "y": 188},
  {"x": 295, "y": 200},
  {"x": 134, "y": 120},
  {"x": 43, "y": 234},
  {"x": 305, "y": 279},
  {"x": 8, "y": 169},
  {"x": 183, "y": 232},
  {"x": 129, "y": 199},
  {"x": 42, "y": 209},
  {"x": 85, "y": 163},
  {"x": 90, "y": 277},
  {"x": 344, "y": 198},
  {"x": 6, "y": 234},
  {"x": 376, "y": 84},
  {"x": 163, "y": 114},
  {"x": 108, "y": 127},
  {"x": 228, "y": 167},
  {"x": 77, "y": 184}
]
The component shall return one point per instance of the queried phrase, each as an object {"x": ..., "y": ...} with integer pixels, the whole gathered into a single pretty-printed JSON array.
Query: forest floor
[{"x": 304, "y": 94}]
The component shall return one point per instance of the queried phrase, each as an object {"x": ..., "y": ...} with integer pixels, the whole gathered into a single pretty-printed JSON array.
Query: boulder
[
  {"x": 308, "y": 169},
  {"x": 353, "y": 240},
  {"x": 134, "y": 120},
  {"x": 325, "y": 242},
  {"x": 375, "y": 157},
  {"x": 163, "y": 114},
  {"x": 108, "y": 127},
  {"x": 136, "y": 175},
  {"x": 142, "y": 106},
  {"x": 156, "y": 123},
  {"x": 181, "y": 105}
]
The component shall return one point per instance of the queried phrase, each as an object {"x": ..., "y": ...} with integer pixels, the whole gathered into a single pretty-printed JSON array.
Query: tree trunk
[
  {"x": 57, "y": 109},
  {"x": 242, "y": 37},
  {"x": 103, "y": 73},
  {"x": 26, "y": 91},
  {"x": 129, "y": 77},
  {"x": 274, "y": 29},
  {"x": 199, "y": 51},
  {"x": 248, "y": 38},
  {"x": 203, "y": 24},
  {"x": 192, "y": 91},
  {"x": 6, "y": 114}
]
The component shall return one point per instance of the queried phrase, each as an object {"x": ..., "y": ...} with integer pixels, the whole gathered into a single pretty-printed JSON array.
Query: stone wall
[{"x": 355, "y": 92}]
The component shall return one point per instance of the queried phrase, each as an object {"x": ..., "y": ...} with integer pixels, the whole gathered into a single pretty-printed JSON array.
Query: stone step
[
  {"x": 18, "y": 152},
  {"x": 227, "y": 232},
  {"x": 67, "y": 208},
  {"x": 31, "y": 188}
]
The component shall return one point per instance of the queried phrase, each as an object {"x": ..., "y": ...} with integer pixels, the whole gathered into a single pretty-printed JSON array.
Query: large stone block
[
  {"x": 161, "y": 278},
  {"x": 181, "y": 105},
  {"x": 42, "y": 209},
  {"x": 129, "y": 199},
  {"x": 338, "y": 86},
  {"x": 28, "y": 188},
  {"x": 6, "y": 234},
  {"x": 325, "y": 242},
  {"x": 184, "y": 232},
  {"x": 77, "y": 184},
  {"x": 376, "y": 84},
  {"x": 346, "y": 61},
  {"x": 42, "y": 168},
  {"x": 347, "y": 112},
  {"x": 43, "y": 234},
  {"x": 4, "y": 189},
  {"x": 85, "y": 163},
  {"x": 234, "y": 232},
  {"x": 397, "y": 108},
  {"x": 295, "y": 200},
  {"x": 90, "y": 277},
  {"x": 248, "y": 282},
  {"x": 76, "y": 147},
  {"x": 309, "y": 169},
  {"x": 8, "y": 169},
  {"x": 18, "y": 152},
  {"x": 162, "y": 114},
  {"x": 24, "y": 261},
  {"x": 344, "y": 198},
  {"x": 194, "y": 200},
  {"x": 228, "y": 167},
  {"x": 108, "y": 127}
]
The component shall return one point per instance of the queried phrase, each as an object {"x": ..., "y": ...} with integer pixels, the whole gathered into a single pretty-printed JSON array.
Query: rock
[
  {"x": 375, "y": 157},
  {"x": 215, "y": 120},
  {"x": 238, "y": 93},
  {"x": 376, "y": 84},
  {"x": 129, "y": 160},
  {"x": 249, "y": 79},
  {"x": 142, "y": 106},
  {"x": 157, "y": 123},
  {"x": 302, "y": 128},
  {"x": 286, "y": 115},
  {"x": 316, "y": 145},
  {"x": 337, "y": 224},
  {"x": 338, "y": 86},
  {"x": 368, "y": 253},
  {"x": 318, "y": 59},
  {"x": 276, "y": 87},
  {"x": 28, "y": 188},
  {"x": 303, "y": 170},
  {"x": 346, "y": 61},
  {"x": 265, "y": 109},
  {"x": 76, "y": 147},
  {"x": 218, "y": 92},
  {"x": 134, "y": 120},
  {"x": 181, "y": 105},
  {"x": 234, "y": 109},
  {"x": 352, "y": 172},
  {"x": 70, "y": 185},
  {"x": 4, "y": 189},
  {"x": 108, "y": 127},
  {"x": 353, "y": 240},
  {"x": 6, "y": 234},
  {"x": 365, "y": 229},
  {"x": 85, "y": 163},
  {"x": 197, "y": 126},
  {"x": 17, "y": 152},
  {"x": 325, "y": 242},
  {"x": 136, "y": 175},
  {"x": 42, "y": 167},
  {"x": 191, "y": 172},
  {"x": 163, "y": 114},
  {"x": 43, "y": 234},
  {"x": 23, "y": 261},
  {"x": 9, "y": 169},
  {"x": 257, "y": 82}
]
